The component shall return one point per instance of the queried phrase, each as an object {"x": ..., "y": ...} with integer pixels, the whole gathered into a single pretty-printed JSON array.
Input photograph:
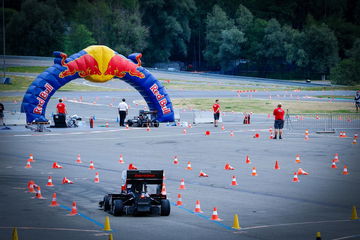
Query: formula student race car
[
  {"x": 140, "y": 194},
  {"x": 143, "y": 120}
]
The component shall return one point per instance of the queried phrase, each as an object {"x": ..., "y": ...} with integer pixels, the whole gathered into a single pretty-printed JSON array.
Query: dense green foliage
[{"x": 285, "y": 39}]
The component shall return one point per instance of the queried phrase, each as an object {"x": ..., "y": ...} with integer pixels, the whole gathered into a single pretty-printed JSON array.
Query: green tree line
[{"x": 281, "y": 39}]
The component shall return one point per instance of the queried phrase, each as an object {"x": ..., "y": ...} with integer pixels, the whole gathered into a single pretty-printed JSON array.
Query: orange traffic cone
[
  {"x": 232, "y": 133},
  {"x": 228, "y": 167},
  {"x": 97, "y": 178},
  {"x": 28, "y": 164},
  {"x": 31, "y": 158},
  {"x": 233, "y": 181},
  {"x": 53, "y": 201},
  {"x": 197, "y": 207},
  {"x": 184, "y": 131},
  {"x": 336, "y": 157},
  {"x": 73, "y": 209},
  {"x": 78, "y": 159},
  {"x": 276, "y": 165},
  {"x": 163, "y": 189},
  {"x": 189, "y": 166},
  {"x": 295, "y": 179},
  {"x": 107, "y": 124},
  {"x": 49, "y": 183},
  {"x": 306, "y": 134},
  {"x": 38, "y": 193},
  {"x": 91, "y": 167},
  {"x": 148, "y": 129},
  {"x": 176, "y": 161},
  {"x": 333, "y": 165},
  {"x": 253, "y": 173},
  {"x": 297, "y": 159},
  {"x": 215, "y": 216},
  {"x": 247, "y": 159},
  {"x": 182, "y": 184},
  {"x": 31, "y": 185},
  {"x": 354, "y": 141},
  {"x": 179, "y": 201},
  {"x": 301, "y": 172},
  {"x": 67, "y": 181},
  {"x": 121, "y": 160},
  {"x": 355, "y": 135},
  {"x": 56, "y": 165},
  {"x": 222, "y": 127},
  {"x": 132, "y": 167},
  {"x": 345, "y": 171},
  {"x": 202, "y": 174}
]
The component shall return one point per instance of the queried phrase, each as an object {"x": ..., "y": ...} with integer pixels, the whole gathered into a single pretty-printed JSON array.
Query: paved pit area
[{"x": 269, "y": 206}]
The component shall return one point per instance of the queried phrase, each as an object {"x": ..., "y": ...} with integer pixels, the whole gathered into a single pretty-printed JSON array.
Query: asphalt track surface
[{"x": 269, "y": 206}]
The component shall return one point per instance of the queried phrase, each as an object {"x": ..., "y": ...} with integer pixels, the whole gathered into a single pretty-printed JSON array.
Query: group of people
[{"x": 278, "y": 113}]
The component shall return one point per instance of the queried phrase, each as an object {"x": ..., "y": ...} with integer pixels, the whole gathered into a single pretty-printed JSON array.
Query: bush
[{"x": 347, "y": 72}]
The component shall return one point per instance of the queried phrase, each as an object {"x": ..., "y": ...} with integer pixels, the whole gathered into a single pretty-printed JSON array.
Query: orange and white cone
[
  {"x": 202, "y": 174},
  {"x": 91, "y": 167},
  {"x": 222, "y": 127},
  {"x": 345, "y": 171},
  {"x": 97, "y": 178},
  {"x": 233, "y": 181},
  {"x": 31, "y": 158},
  {"x": 148, "y": 129},
  {"x": 297, "y": 159},
  {"x": 253, "y": 173},
  {"x": 176, "y": 161},
  {"x": 333, "y": 165},
  {"x": 56, "y": 165},
  {"x": 53, "y": 201},
  {"x": 189, "y": 166},
  {"x": 184, "y": 131},
  {"x": 132, "y": 167},
  {"x": 295, "y": 179},
  {"x": 182, "y": 184},
  {"x": 31, "y": 184},
  {"x": 336, "y": 157},
  {"x": 163, "y": 189},
  {"x": 215, "y": 216},
  {"x": 306, "y": 134},
  {"x": 73, "y": 209},
  {"x": 232, "y": 133},
  {"x": 228, "y": 167},
  {"x": 38, "y": 193},
  {"x": 121, "y": 159},
  {"x": 247, "y": 159},
  {"x": 354, "y": 141},
  {"x": 127, "y": 126},
  {"x": 107, "y": 124},
  {"x": 67, "y": 181},
  {"x": 28, "y": 164},
  {"x": 49, "y": 183},
  {"x": 179, "y": 201},
  {"x": 197, "y": 207},
  {"x": 302, "y": 172},
  {"x": 276, "y": 167},
  {"x": 355, "y": 136},
  {"x": 78, "y": 159}
]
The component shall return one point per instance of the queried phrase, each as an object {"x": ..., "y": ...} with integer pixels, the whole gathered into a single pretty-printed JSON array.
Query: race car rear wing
[{"x": 147, "y": 176}]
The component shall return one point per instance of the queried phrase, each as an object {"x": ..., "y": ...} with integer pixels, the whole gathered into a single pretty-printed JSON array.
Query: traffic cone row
[
  {"x": 342, "y": 134},
  {"x": 306, "y": 134}
]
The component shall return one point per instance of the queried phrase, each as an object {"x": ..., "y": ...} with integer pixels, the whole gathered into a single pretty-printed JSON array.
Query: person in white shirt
[{"x": 123, "y": 111}]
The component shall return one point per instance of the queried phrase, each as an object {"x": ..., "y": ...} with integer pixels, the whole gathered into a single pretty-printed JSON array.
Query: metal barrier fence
[{"x": 323, "y": 121}]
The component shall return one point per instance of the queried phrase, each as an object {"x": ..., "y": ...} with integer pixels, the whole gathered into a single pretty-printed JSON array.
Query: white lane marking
[
  {"x": 347, "y": 237},
  {"x": 55, "y": 229}
]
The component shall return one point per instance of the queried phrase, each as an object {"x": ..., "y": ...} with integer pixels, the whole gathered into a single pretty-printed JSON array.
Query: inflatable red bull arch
[{"x": 97, "y": 64}]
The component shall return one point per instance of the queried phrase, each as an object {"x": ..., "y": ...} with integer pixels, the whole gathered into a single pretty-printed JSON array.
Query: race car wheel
[
  {"x": 106, "y": 203},
  {"x": 117, "y": 208},
  {"x": 156, "y": 123},
  {"x": 165, "y": 207}
]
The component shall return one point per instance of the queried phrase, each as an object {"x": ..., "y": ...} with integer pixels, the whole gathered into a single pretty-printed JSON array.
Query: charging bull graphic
[{"x": 96, "y": 64}]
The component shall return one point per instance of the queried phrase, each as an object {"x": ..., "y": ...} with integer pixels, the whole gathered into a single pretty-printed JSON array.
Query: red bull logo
[
  {"x": 85, "y": 65},
  {"x": 119, "y": 66}
]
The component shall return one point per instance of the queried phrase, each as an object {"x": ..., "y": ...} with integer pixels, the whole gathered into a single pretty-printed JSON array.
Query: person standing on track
[
  {"x": 123, "y": 111},
  {"x": 61, "y": 108},
  {"x": 216, "y": 109},
  {"x": 2, "y": 114},
  {"x": 357, "y": 100},
  {"x": 279, "y": 121}
]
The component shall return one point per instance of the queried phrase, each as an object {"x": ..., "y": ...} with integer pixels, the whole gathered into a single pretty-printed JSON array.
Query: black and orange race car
[
  {"x": 141, "y": 194},
  {"x": 145, "y": 119}
]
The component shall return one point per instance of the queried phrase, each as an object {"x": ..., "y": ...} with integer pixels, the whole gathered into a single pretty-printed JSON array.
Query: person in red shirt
[
  {"x": 279, "y": 121},
  {"x": 61, "y": 107},
  {"x": 216, "y": 109}
]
